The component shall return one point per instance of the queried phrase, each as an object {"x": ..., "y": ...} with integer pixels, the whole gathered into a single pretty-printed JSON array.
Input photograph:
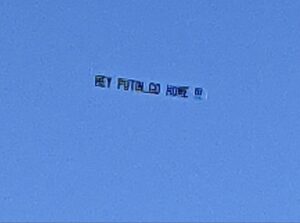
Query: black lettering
[
  {"x": 123, "y": 82},
  {"x": 99, "y": 81},
  {"x": 154, "y": 88},
  {"x": 182, "y": 91}
]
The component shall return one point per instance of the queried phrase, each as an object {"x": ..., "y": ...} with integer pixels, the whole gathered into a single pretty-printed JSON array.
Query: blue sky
[{"x": 72, "y": 152}]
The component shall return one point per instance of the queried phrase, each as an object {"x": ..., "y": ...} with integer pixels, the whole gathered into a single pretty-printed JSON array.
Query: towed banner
[{"x": 153, "y": 88}]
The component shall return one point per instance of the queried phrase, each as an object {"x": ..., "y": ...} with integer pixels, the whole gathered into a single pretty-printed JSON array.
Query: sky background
[{"x": 72, "y": 152}]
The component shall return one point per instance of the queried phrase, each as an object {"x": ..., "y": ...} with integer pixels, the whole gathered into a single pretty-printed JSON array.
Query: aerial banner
[{"x": 154, "y": 88}]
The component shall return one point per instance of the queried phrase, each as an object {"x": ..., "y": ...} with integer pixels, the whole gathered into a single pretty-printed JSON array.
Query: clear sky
[{"x": 72, "y": 152}]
